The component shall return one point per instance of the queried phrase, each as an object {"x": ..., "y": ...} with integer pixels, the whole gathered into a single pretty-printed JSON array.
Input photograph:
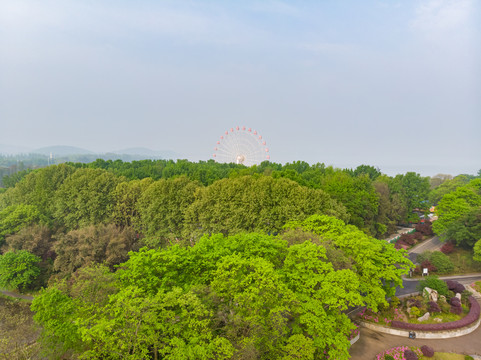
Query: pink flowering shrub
[
  {"x": 354, "y": 333},
  {"x": 398, "y": 352},
  {"x": 381, "y": 317}
]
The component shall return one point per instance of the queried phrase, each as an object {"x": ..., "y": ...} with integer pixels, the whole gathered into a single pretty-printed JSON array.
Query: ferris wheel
[{"x": 240, "y": 145}]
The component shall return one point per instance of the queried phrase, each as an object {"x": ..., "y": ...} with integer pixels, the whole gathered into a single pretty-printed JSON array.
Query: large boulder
[
  {"x": 430, "y": 294},
  {"x": 424, "y": 317}
]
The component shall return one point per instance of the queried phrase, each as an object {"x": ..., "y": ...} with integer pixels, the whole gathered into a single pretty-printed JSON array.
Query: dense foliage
[
  {"x": 457, "y": 208},
  {"x": 234, "y": 262},
  {"x": 18, "y": 269},
  {"x": 245, "y": 296}
]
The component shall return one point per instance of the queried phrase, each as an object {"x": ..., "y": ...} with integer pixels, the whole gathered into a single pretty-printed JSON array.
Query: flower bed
[
  {"x": 472, "y": 316},
  {"x": 395, "y": 315},
  {"x": 398, "y": 352}
]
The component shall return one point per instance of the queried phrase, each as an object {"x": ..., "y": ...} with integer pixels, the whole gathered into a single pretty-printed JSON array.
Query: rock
[
  {"x": 442, "y": 298},
  {"x": 424, "y": 317},
  {"x": 438, "y": 320},
  {"x": 458, "y": 295},
  {"x": 431, "y": 294}
]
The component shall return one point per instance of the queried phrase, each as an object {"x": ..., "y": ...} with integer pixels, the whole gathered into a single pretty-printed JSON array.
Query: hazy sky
[{"x": 394, "y": 84}]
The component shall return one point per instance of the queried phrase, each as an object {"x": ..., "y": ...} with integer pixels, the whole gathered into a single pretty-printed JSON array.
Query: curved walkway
[
  {"x": 372, "y": 343},
  {"x": 16, "y": 295}
]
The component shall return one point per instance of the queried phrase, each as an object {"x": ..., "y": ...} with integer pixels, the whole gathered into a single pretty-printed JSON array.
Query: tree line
[
  {"x": 244, "y": 296},
  {"x": 168, "y": 260}
]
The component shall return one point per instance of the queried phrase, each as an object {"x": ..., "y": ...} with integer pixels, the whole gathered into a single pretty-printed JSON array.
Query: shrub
[
  {"x": 427, "y": 264},
  {"x": 468, "y": 357},
  {"x": 459, "y": 288},
  {"x": 434, "y": 307},
  {"x": 407, "y": 239},
  {"x": 472, "y": 316},
  {"x": 435, "y": 283},
  {"x": 427, "y": 351},
  {"x": 395, "y": 302},
  {"x": 451, "y": 284},
  {"x": 410, "y": 355},
  {"x": 455, "y": 301},
  {"x": 456, "y": 309},
  {"x": 415, "y": 312},
  {"x": 447, "y": 248},
  {"x": 465, "y": 296},
  {"x": 401, "y": 245},
  {"x": 442, "y": 262},
  {"x": 423, "y": 256},
  {"x": 418, "y": 236},
  {"x": 388, "y": 357},
  {"x": 445, "y": 307},
  {"x": 415, "y": 302},
  {"x": 425, "y": 229}
]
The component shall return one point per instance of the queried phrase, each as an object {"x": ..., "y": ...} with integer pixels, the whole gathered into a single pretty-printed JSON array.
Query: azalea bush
[
  {"x": 382, "y": 317},
  {"x": 397, "y": 352},
  {"x": 354, "y": 333}
]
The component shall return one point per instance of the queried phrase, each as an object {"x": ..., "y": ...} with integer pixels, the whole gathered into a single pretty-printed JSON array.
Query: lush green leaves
[
  {"x": 454, "y": 205},
  {"x": 15, "y": 217},
  {"x": 18, "y": 269}
]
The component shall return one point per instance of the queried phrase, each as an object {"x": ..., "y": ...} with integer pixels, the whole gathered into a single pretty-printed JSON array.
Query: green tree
[
  {"x": 414, "y": 190},
  {"x": 249, "y": 204},
  {"x": 18, "y": 269},
  {"x": 454, "y": 205},
  {"x": 446, "y": 187},
  {"x": 162, "y": 208},
  {"x": 15, "y": 217},
  {"x": 435, "y": 283},
  {"x": 107, "y": 244},
  {"x": 442, "y": 262},
  {"x": 56, "y": 312},
  {"x": 379, "y": 265},
  {"x": 477, "y": 251},
  {"x": 39, "y": 187},
  {"x": 86, "y": 198},
  {"x": 466, "y": 230},
  {"x": 127, "y": 195}
]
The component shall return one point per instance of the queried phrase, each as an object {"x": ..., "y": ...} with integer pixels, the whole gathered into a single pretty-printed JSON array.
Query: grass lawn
[
  {"x": 445, "y": 356},
  {"x": 463, "y": 262},
  {"x": 18, "y": 333},
  {"x": 446, "y": 317}
]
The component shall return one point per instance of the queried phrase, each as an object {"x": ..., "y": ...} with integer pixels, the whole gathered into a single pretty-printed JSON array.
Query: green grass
[
  {"x": 477, "y": 286},
  {"x": 446, "y": 317},
  {"x": 463, "y": 262},
  {"x": 445, "y": 356}
]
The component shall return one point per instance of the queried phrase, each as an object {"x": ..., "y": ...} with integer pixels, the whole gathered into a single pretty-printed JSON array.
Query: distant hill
[
  {"x": 149, "y": 153},
  {"x": 12, "y": 149},
  {"x": 60, "y": 151}
]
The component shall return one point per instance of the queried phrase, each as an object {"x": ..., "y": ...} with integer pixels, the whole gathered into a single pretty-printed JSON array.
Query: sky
[{"x": 392, "y": 84}]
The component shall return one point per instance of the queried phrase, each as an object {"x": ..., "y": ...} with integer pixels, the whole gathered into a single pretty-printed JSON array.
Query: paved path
[
  {"x": 429, "y": 245},
  {"x": 410, "y": 285},
  {"x": 372, "y": 343},
  {"x": 16, "y": 295}
]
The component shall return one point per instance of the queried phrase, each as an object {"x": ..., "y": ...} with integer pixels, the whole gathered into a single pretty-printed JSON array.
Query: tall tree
[{"x": 86, "y": 198}]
